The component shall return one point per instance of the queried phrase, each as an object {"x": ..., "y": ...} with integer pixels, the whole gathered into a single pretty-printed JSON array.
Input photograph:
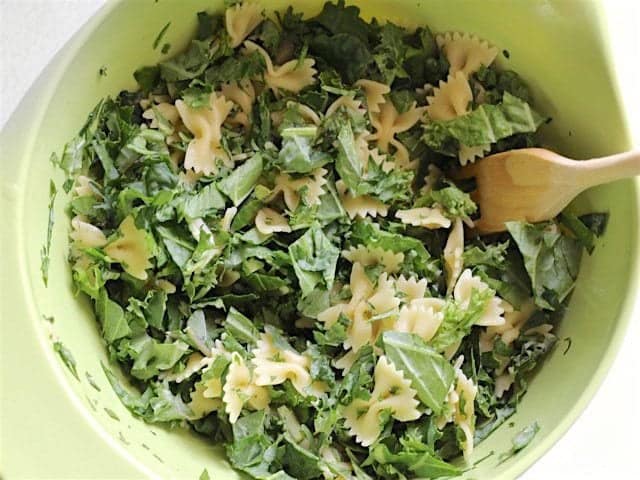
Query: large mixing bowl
[{"x": 55, "y": 426}]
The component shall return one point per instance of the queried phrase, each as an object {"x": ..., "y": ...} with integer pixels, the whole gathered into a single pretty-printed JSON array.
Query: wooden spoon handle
[{"x": 608, "y": 169}]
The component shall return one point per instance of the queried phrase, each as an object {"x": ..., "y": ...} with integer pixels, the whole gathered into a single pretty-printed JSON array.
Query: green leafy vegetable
[
  {"x": 551, "y": 259},
  {"x": 485, "y": 125},
  {"x": 430, "y": 373},
  {"x": 66, "y": 357},
  {"x": 240, "y": 183},
  {"x": 45, "y": 252}
]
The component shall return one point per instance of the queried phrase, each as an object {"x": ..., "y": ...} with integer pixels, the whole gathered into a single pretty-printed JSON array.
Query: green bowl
[{"x": 55, "y": 426}]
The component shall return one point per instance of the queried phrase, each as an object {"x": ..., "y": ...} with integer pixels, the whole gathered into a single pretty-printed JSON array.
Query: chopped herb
[
  {"x": 160, "y": 36},
  {"x": 92, "y": 381},
  {"x": 112, "y": 414},
  {"x": 46, "y": 249},
  {"x": 67, "y": 358},
  {"x": 520, "y": 441}
]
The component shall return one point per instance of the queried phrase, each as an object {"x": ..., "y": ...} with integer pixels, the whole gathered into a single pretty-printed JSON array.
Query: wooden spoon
[{"x": 534, "y": 184}]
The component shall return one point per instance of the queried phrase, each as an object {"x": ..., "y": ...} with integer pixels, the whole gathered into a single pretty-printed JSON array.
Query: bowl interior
[{"x": 559, "y": 48}]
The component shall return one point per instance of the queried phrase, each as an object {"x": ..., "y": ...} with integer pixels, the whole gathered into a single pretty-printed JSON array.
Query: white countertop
[{"x": 603, "y": 443}]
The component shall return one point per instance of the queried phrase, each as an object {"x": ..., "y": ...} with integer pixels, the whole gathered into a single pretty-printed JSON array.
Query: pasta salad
[{"x": 279, "y": 257}]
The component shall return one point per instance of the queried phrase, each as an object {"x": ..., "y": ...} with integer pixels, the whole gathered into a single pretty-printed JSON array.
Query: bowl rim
[{"x": 20, "y": 292}]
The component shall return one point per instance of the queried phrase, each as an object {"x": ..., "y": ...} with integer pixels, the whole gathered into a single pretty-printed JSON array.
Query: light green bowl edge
[{"x": 30, "y": 109}]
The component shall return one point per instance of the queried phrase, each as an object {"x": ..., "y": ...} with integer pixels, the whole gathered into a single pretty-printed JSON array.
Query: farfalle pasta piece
[
  {"x": 466, "y": 53},
  {"x": 411, "y": 288},
  {"x": 461, "y": 411},
  {"x": 240, "y": 389},
  {"x": 390, "y": 261},
  {"x": 361, "y": 205},
  {"x": 432, "y": 218},
  {"x": 242, "y": 19},
  {"x": 451, "y": 99},
  {"x": 291, "y": 76},
  {"x": 509, "y": 331},
  {"x": 269, "y": 221},
  {"x": 83, "y": 187},
  {"x": 86, "y": 235},
  {"x": 388, "y": 122},
  {"x": 348, "y": 102},
  {"x": 131, "y": 249},
  {"x": 391, "y": 393},
  {"x": 162, "y": 112},
  {"x": 274, "y": 366},
  {"x": 374, "y": 92},
  {"x": 195, "y": 362},
  {"x": 421, "y": 317},
  {"x": 466, "y": 284},
  {"x": 200, "y": 405},
  {"x": 205, "y": 124},
  {"x": 453, "y": 251},
  {"x": 242, "y": 94},
  {"x": 312, "y": 185},
  {"x": 367, "y": 302}
]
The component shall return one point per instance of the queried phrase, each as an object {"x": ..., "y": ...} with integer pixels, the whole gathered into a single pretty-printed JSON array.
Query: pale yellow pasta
[
  {"x": 451, "y": 99},
  {"x": 83, "y": 187},
  {"x": 421, "y": 317},
  {"x": 466, "y": 53},
  {"x": 291, "y": 76},
  {"x": 200, "y": 405},
  {"x": 274, "y": 366},
  {"x": 392, "y": 393},
  {"x": 162, "y": 112},
  {"x": 411, "y": 288},
  {"x": 229, "y": 214},
  {"x": 195, "y": 363},
  {"x": 240, "y": 389},
  {"x": 86, "y": 235},
  {"x": 312, "y": 186},
  {"x": 503, "y": 383},
  {"x": 205, "y": 150},
  {"x": 453, "y": 251},
  {"x": 428, "y": 217},
  {"x": 269, "y": 221},
  {"x": 366, "y": 256},
  {"x": 510, "y": 329},
  {"x": 365, "y": 153},
  {"x": 388, "y": 122},
  {"x": 131, "y": 249},
  {"x": 374, "y": 92},
  {"x": 241, "y": 20},
  {"x": 460, "y": 408},
  {"x": 347, "y": 102},
  {"x": 367, "y": 301},
  {"x": 361, "y": 205},
  {"x": 242, "y": 94},
  {"x": 165, "y": 285},
  {"x": 465, "y": 286}
]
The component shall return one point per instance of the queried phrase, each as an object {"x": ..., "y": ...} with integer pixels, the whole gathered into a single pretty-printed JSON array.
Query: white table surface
[{"x": 604, "y": 442}]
